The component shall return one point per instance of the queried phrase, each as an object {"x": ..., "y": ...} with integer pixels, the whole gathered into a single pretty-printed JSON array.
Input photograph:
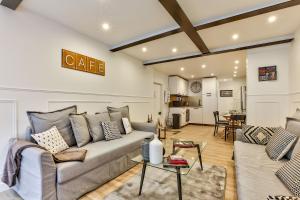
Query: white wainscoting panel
[
  {"x": 8, "y": 127},
  {"x": 267, "y": 113}
]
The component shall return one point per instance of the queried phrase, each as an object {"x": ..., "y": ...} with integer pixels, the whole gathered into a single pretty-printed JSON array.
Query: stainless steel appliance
[{"x": 243, "y": 98}]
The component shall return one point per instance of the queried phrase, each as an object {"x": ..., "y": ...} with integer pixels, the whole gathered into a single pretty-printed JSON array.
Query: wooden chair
[
  {"x": 236, "y": 122},
  {"x": 219, "y": 123}
]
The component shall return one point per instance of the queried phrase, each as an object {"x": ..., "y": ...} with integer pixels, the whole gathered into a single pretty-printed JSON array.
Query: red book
[{"x": 178, "y": 162}]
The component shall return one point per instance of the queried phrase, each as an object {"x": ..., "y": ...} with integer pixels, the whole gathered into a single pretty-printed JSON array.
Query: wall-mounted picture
[
  {"x": 225, "y": 93},
  {"x": 267, "y": 73}
]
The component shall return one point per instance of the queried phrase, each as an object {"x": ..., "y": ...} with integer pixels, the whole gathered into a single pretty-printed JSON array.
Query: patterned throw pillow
[
  {"x": 279, "y": 197},
  {"x": 127, "y": 125},
  {"x": 51, "y": 140},
  {"x": 111, "y": 130},
  {"x": 280, "y": 143},
  {"x": 289, "y": 174},
  {"x": 257, "y": 134}
]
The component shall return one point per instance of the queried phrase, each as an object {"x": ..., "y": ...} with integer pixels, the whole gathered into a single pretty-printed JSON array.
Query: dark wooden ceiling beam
[
  {"x": 12, "y": 4},
  {"x": 226, "y": 20},
  {"x": 185, "y": 24},
  {"x": 222, "y": 51}
]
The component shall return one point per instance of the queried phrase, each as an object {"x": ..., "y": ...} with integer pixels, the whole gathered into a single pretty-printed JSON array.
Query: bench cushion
[{"x": 99, "y": 153}]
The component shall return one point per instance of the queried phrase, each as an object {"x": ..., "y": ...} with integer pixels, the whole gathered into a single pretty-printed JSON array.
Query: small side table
[{"x": 181, "y": 144}]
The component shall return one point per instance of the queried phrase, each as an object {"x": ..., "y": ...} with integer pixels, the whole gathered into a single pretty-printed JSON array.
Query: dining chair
[
  {"x": 236, "y": 122},
  {"x": 219, "y": 123}
]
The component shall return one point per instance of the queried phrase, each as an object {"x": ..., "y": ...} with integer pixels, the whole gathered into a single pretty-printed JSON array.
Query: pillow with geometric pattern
[
  {"x": 51, "y": 140},
  {"x": 289, "y": 174},
  {"x": 256, "y": 134},
  {"x": 111, "y": 130},
  {"x": 280, "y": 197}
]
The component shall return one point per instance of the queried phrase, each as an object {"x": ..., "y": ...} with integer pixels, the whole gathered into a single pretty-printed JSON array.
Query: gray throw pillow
[
  {"x": 94, "y": 123},
  {"x": 292, "y": 126},
  {"x": 124, "y": 111},
  {"x": 117, "y": 117},
  {"x": 280, "y": 144},
  {"x": 111, "y": 131},
  {"x": 80, "y": 129},
  {"x": 289, "y": 174},
  {"x": 43, "y": 121}
]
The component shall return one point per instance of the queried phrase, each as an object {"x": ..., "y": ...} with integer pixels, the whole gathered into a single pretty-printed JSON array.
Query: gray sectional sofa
[
  {"x": 255, "y": 171},
  {"x": 41, "y": 178}
]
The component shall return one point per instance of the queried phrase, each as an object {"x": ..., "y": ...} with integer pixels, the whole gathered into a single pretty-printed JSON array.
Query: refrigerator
[{"x": 243, "y": 98}]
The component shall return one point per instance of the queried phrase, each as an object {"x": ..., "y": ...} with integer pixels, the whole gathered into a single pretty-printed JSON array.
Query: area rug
[
  {"x": 9, "y": 195},
  {"x": 208, "y": 184}
]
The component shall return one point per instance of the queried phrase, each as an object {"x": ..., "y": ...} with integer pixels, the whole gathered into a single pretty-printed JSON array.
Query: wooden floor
[{"x": 217, "y": 152}]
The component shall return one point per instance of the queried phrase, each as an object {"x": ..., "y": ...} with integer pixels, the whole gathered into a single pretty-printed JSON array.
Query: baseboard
[{"x": 196, "y": 124}]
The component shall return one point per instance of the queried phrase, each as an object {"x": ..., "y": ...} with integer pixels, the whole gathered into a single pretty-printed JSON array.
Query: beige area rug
[{"x": 208, "y": 184}]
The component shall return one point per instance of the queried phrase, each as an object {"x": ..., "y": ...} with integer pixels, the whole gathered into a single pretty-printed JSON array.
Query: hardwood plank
[
  {"x": 222, "y": 51},
  {"x": 219, "y": 22},
  {"x": 12, "y": 4},
  {"x": 217, "y": 152},
  {"x": 183, "y": 21}
]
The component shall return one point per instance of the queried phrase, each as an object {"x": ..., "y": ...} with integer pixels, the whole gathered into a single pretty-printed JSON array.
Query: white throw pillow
[
  {"x": 127, "y": 125},
  {"x": 51, "y": 140}
]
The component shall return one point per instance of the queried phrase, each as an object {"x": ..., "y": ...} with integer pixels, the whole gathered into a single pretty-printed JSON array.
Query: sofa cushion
[
  {"x": 289, "y": 174},
  {"x": 111, "y": 130},
  {"x": 280, "y": 144},
  {"x": 124, "y": 110},
  {"x": 80, "y": 129},
  {"x": 42, "y": 121},
  {"x": 256, "y": 134},
  {"x": 94, "y": 122},
  {"x": 99, "y": 153},
  {"x": 117, "y": 117},
  {"x": 293, "y": 126},
  {"x": 255, "y": 172}
]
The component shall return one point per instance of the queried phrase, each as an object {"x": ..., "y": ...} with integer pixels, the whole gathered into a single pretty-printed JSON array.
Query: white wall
[
  {"x": 294, "y": 77},
  {"x": 225, "y": 104},
  {"x": 267, "y": 102},
  {"x": 32, "y": 78}
]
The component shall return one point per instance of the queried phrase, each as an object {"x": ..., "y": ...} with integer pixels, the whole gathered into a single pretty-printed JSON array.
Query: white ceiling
[
  {"x": 131, "y": 20},
  {"x": 221, "y": 65}
]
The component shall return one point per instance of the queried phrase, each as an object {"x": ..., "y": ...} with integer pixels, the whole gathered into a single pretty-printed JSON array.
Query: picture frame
[
  {"x": 268, "y": 73},
  {"x": 226, "y": 93}
]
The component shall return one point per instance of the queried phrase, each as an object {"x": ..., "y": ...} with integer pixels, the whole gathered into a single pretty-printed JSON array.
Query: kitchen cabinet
[
  {"x": 182, "y": 111},
  {"x": 178, "y": 86},
  {"x": 196, "y": 115},
  {"x": 209, "y": 99}
]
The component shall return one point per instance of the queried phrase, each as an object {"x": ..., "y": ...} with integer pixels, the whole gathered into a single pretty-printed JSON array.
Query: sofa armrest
[
  {"x": 238, "y": 135},
  {"x": 37, "y": 176},
  {"x": 143, "y": 126}
]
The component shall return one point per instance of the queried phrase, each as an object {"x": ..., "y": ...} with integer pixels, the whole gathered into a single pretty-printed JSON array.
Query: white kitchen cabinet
[
  {"x": 178, "y": 86},
  {"x": 209, "y": 85},
  {"x": 209, "y": 99},
  {"x": 182, "y": 112},
  {"x": 196, "y": 115}
]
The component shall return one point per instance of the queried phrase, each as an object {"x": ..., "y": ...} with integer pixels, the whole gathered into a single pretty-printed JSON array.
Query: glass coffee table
[{"x": 178, "y": 170}]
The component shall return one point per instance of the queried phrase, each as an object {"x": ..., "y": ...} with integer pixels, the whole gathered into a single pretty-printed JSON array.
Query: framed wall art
[
  {"x": 268, "y": 73},
  {"x": 226, "y": 93}
]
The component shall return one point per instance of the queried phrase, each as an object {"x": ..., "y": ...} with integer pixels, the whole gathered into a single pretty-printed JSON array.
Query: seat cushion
[
  {"x": 99, "y": 153},
  {"x": 255, "y": 172}
]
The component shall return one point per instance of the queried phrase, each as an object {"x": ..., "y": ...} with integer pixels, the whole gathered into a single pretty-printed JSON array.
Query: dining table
[{"x": 235, "y": 121}]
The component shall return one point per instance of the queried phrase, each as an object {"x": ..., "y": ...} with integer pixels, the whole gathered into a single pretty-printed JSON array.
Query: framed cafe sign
[{"x": 76, "y": 61}]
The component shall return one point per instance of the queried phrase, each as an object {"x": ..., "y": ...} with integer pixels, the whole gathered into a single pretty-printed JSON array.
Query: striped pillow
[
  {"x": 280, "y": 143},
  {"x": 256, "y": 134},
  {"x": 111, "y": 130},
  {"x": 279, "y": 197},
  {"x": 289, "y": 174}
]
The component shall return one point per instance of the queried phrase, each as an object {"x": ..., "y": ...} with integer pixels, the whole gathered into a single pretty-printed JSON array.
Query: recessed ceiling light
[
  {"x": 237, "y": 62},
  {"x": 182, "y": 68},
  {"x": 105, "y": 26},
  {"x": 212, "y": 74},
  {"x": 272, "y": 19},
  {"x": 203, "y": 66},
  {"x": 235, "y": 36},
  {"x": 236, "y": 67},
  {"x": 192, "y": 76},
  {"x": 144, "y": 49},
  {"x": 234, "y": 75},
  {"x": 235, "y": 72},
  {"x": 225, "y": 80},
  {"x": 174, "y": 50}
]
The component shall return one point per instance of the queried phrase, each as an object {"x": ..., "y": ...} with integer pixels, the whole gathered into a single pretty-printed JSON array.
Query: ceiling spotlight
[
  {"x": 225, "y": 80},
  {"x": 192, "y": 76},
  {"x": 234, "y": 75},
  {"x": 182, "y": 68},
  {"x": 235, "y": 72},
  {"x": 272, "y": 19},
  {"x": 237, "y": 62},
  {"x": 105, "y": 26},
  {"x": 236, "y": 67},
  {"x": 174, "y": 50},
  {"x": 144, "y": 49},
  {"x": 235, "y": 36},
  {"x": 212, "y": 74},
  {"x": 203, "y": 66}
]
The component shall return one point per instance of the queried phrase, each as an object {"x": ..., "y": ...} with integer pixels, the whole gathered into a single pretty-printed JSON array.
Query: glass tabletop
[{"x": 191, "y": 155}]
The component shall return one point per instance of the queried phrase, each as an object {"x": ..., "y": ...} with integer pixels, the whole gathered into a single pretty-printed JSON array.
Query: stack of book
[
  {"x": 184, "y": 144},
  {"x": 176, "y": 161}
]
